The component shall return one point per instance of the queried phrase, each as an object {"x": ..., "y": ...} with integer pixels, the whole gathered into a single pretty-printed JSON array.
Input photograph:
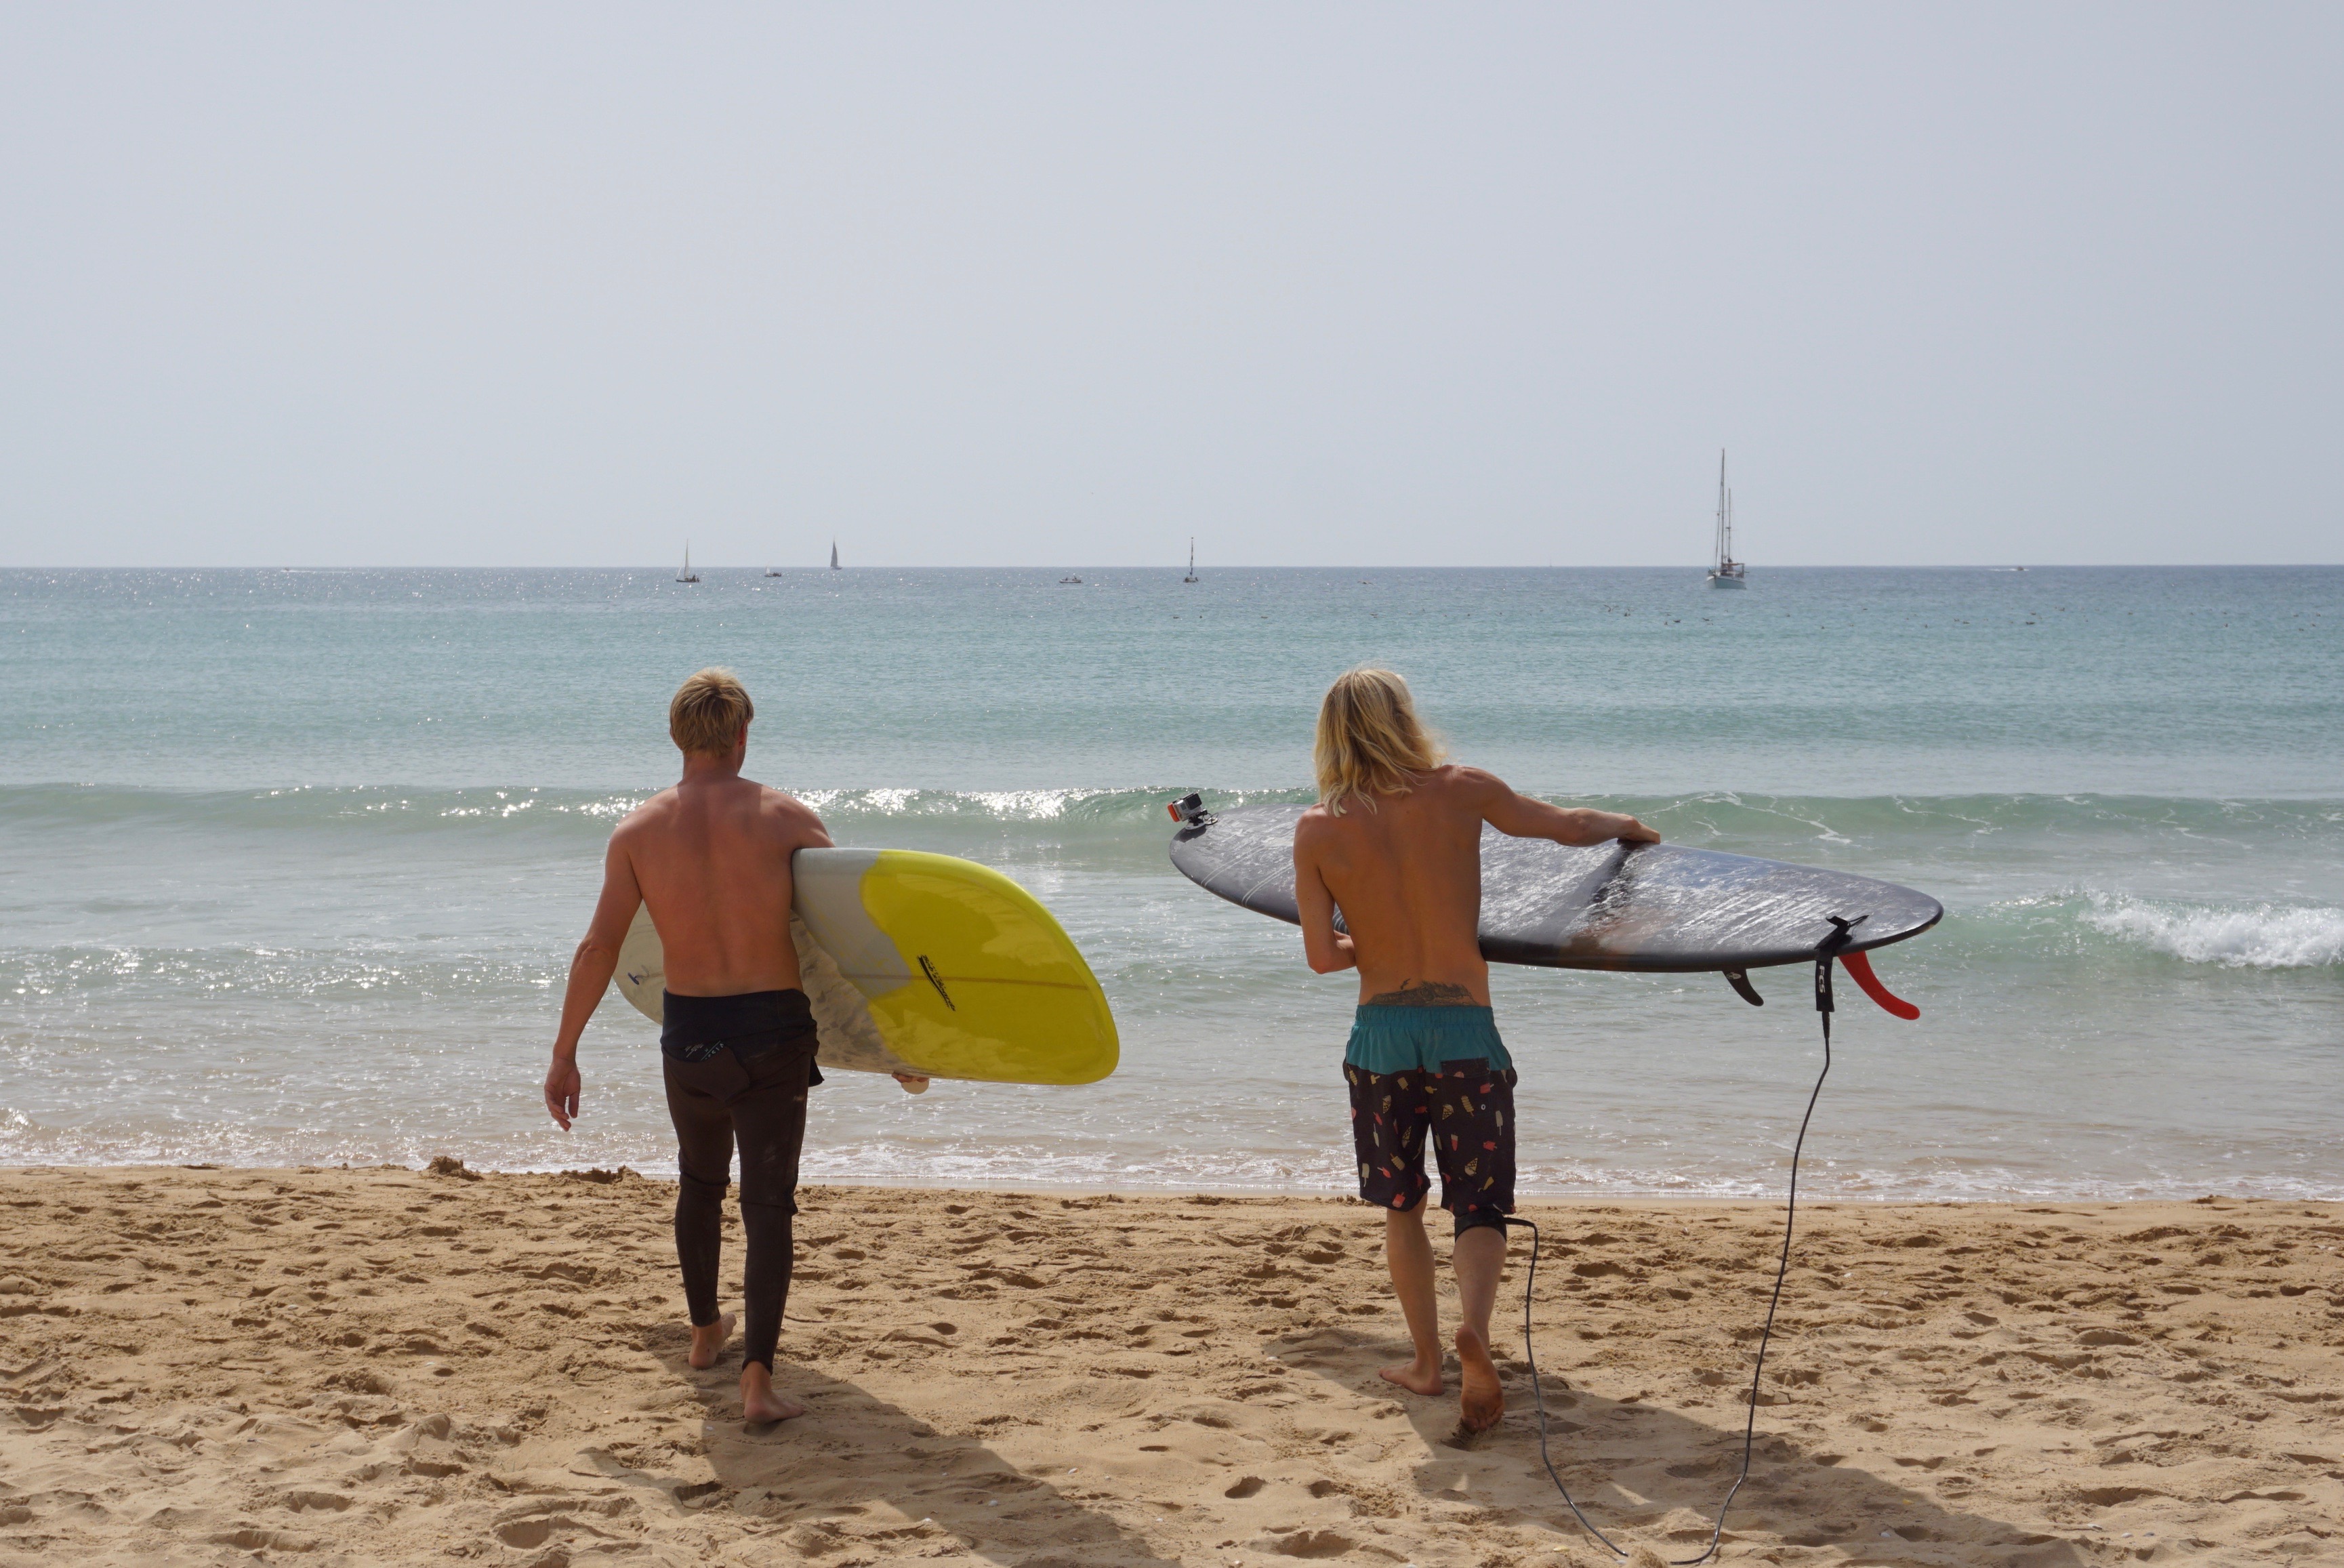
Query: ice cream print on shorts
[{"x": 1467, "y": 1108}]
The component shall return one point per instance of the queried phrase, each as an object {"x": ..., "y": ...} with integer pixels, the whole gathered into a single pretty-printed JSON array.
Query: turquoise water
[{"x": 291, "y": 862}]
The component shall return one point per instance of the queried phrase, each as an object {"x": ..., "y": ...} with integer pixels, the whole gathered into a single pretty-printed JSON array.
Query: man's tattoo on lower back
[{"x": 1431, "y": 994}]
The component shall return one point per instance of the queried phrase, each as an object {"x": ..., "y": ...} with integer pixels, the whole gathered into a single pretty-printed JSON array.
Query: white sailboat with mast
[
  {"x": 1728, "y": 572},
  {"x": 687, "y": 574},
  {"x": 1192, "y": 559},
  {"x": 833, "y": 555}
]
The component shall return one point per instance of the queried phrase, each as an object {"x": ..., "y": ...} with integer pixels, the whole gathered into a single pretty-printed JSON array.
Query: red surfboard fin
[{"x": 1859, "y": 968}]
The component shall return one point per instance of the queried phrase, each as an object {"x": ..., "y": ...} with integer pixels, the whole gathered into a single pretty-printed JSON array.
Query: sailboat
[
  {"x": 1727, "y": 572},
  {"x": 687, "y": 574},
  {"x": 1192, "y": 559},
  {"x": 833, "y": 555}
]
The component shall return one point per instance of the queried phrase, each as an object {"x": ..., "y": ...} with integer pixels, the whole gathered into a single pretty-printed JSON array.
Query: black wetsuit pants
[{"x": 752, "y": 1093}]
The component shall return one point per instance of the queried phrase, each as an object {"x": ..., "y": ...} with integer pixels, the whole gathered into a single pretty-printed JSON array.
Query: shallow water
[{"x": 293, "y": 862}]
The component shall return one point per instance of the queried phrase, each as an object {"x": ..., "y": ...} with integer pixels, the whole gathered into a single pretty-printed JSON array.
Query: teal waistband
[{"x": 1405, "y": 1039}]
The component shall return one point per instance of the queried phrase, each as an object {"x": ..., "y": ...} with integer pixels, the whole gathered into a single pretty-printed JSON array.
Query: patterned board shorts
[{"x": 1469, "y": 1112}]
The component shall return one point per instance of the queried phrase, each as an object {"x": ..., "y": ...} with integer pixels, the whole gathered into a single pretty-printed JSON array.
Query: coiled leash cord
[{"x": 1781, "y": 1271}]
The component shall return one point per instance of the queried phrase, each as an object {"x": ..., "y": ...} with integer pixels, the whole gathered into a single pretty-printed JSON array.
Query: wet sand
[{"x": 393, "y": 1366}]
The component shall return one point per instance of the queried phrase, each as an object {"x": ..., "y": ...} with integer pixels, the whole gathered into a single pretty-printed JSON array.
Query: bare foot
[
  {"x": 758, "y": 1403},
  {"x": 708, "y": 1344},
  {"x": 1420, "y": 1376},
  {"x": 1484, "y": 1400}
]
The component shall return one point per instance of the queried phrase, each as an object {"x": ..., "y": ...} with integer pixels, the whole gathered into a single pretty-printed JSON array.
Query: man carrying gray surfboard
[
  {"x": 1395, "y": 843},
  {"x": 711, "y": 858}
]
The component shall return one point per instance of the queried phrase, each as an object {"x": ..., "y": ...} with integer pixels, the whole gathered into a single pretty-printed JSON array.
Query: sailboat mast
[{"x": 1724, "y": 540}]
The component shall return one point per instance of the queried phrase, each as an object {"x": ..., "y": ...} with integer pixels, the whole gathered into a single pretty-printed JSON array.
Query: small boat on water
[
  {"x": 833, "y": 555},
  {"x": 1192, "y": 559},
  {"x": 1063, "y": 581},
  {"x": 687, "y": 574},
  {"x": 1728, "y": 572}
]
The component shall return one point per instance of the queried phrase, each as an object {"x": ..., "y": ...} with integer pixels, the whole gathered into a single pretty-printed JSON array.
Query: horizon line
[{"x": 1179, "y": 566}]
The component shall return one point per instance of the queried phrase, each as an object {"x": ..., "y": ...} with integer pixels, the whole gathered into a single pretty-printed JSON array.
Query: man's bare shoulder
[
  {"x": 1467, "y": 785},
  {"x": 1316, "y": 825},
  {"x": 647, "y": 816},
  {"x": 782, "y": 801},
  {"x": 785, "y": 813}
]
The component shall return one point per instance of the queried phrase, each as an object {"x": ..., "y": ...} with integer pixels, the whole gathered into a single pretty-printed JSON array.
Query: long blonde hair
[{"x": 1370, "y": 742}]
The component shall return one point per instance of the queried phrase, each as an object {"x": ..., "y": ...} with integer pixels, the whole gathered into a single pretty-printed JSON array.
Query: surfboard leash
[{"x": 1825, "y": 952}]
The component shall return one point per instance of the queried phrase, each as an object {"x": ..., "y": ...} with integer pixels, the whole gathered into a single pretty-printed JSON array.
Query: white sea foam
[
  {"x": 1028, "y": 805},
  {"x": 1002, "y": 805},
  {"x": 2261, "y": 936},
  {"x": 611, "y": 807}
]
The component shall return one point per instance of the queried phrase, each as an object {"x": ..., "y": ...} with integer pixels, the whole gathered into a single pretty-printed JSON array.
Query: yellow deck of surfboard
[
  {"x": 930, "y": 964},
  {"x": 984, "y": 983}
]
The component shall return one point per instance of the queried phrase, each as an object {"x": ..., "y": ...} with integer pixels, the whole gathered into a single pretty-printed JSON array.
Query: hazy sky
[{"x": 967, "y": 285}]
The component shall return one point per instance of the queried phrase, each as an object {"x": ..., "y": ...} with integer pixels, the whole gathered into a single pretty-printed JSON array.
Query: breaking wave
[
  {"x": 1721, "y": 819},
  {"x": 2261, "y": 936}
]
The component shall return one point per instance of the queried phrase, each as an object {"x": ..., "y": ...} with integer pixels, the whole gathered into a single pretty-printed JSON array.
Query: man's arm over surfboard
[{"x": 1518, "y": 816}]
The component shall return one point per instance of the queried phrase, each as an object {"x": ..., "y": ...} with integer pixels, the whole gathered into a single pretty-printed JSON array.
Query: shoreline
[
  {"x": 394, "y": 1366},
  {"x": 1006, "y": 1188}
]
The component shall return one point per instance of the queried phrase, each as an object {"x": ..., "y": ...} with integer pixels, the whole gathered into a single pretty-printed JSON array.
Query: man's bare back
[
  {"x": 1406, "y": 871},
  {"x": 711, "y": 856}
]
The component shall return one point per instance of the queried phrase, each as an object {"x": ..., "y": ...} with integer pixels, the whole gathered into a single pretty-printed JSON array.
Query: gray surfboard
[{"x": 1654, "y": 907}]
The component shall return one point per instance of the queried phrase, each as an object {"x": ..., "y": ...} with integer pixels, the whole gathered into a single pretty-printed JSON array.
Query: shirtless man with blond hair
[
  {"x": 711, "y": 856},
  {"x": 1395, "y": 843}
]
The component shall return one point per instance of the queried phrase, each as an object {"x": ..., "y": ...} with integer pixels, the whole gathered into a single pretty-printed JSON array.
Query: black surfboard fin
[{"x": 1740, "y": 980}]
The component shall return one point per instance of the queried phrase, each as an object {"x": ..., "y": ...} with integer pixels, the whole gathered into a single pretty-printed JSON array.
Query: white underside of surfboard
[{"x": 849, "y": 1039}]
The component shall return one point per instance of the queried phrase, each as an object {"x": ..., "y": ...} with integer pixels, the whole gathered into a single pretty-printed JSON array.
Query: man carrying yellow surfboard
[
  {"x": 1395, "y": 840},
  {"x": 711, "y": 858}
]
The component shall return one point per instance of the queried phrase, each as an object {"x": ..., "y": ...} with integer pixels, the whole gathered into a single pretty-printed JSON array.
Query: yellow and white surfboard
[{"x": 919, "y": 963}]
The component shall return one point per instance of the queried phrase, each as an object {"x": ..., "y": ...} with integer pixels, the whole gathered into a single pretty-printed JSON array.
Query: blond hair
[
  {"x": 1370, "y": 742},
  {"x": 708, "y": 712}
]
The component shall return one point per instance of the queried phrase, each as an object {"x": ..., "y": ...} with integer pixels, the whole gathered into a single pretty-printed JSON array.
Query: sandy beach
[{"x": 397, "y": 1366}]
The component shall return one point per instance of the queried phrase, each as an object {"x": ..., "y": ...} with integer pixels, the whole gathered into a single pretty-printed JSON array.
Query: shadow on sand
[
  {"x": 858, "y": 1476},
  {"x": 1651, "y": 1476}
]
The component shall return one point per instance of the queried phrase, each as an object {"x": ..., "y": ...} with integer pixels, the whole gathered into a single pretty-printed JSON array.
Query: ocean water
[{"x": 291, "y": 863}]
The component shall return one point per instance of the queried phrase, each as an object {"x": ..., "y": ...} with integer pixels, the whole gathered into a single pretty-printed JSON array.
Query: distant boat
[
  {"x": 833, "y": 555},
  {"x": 771, "y": 572},
  {"x": 687, "y": 574},
  {"x": 1192, "y": 559},
  {"x": 1728, "y": 572},
  {"x": 1065, "y": 580}
]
